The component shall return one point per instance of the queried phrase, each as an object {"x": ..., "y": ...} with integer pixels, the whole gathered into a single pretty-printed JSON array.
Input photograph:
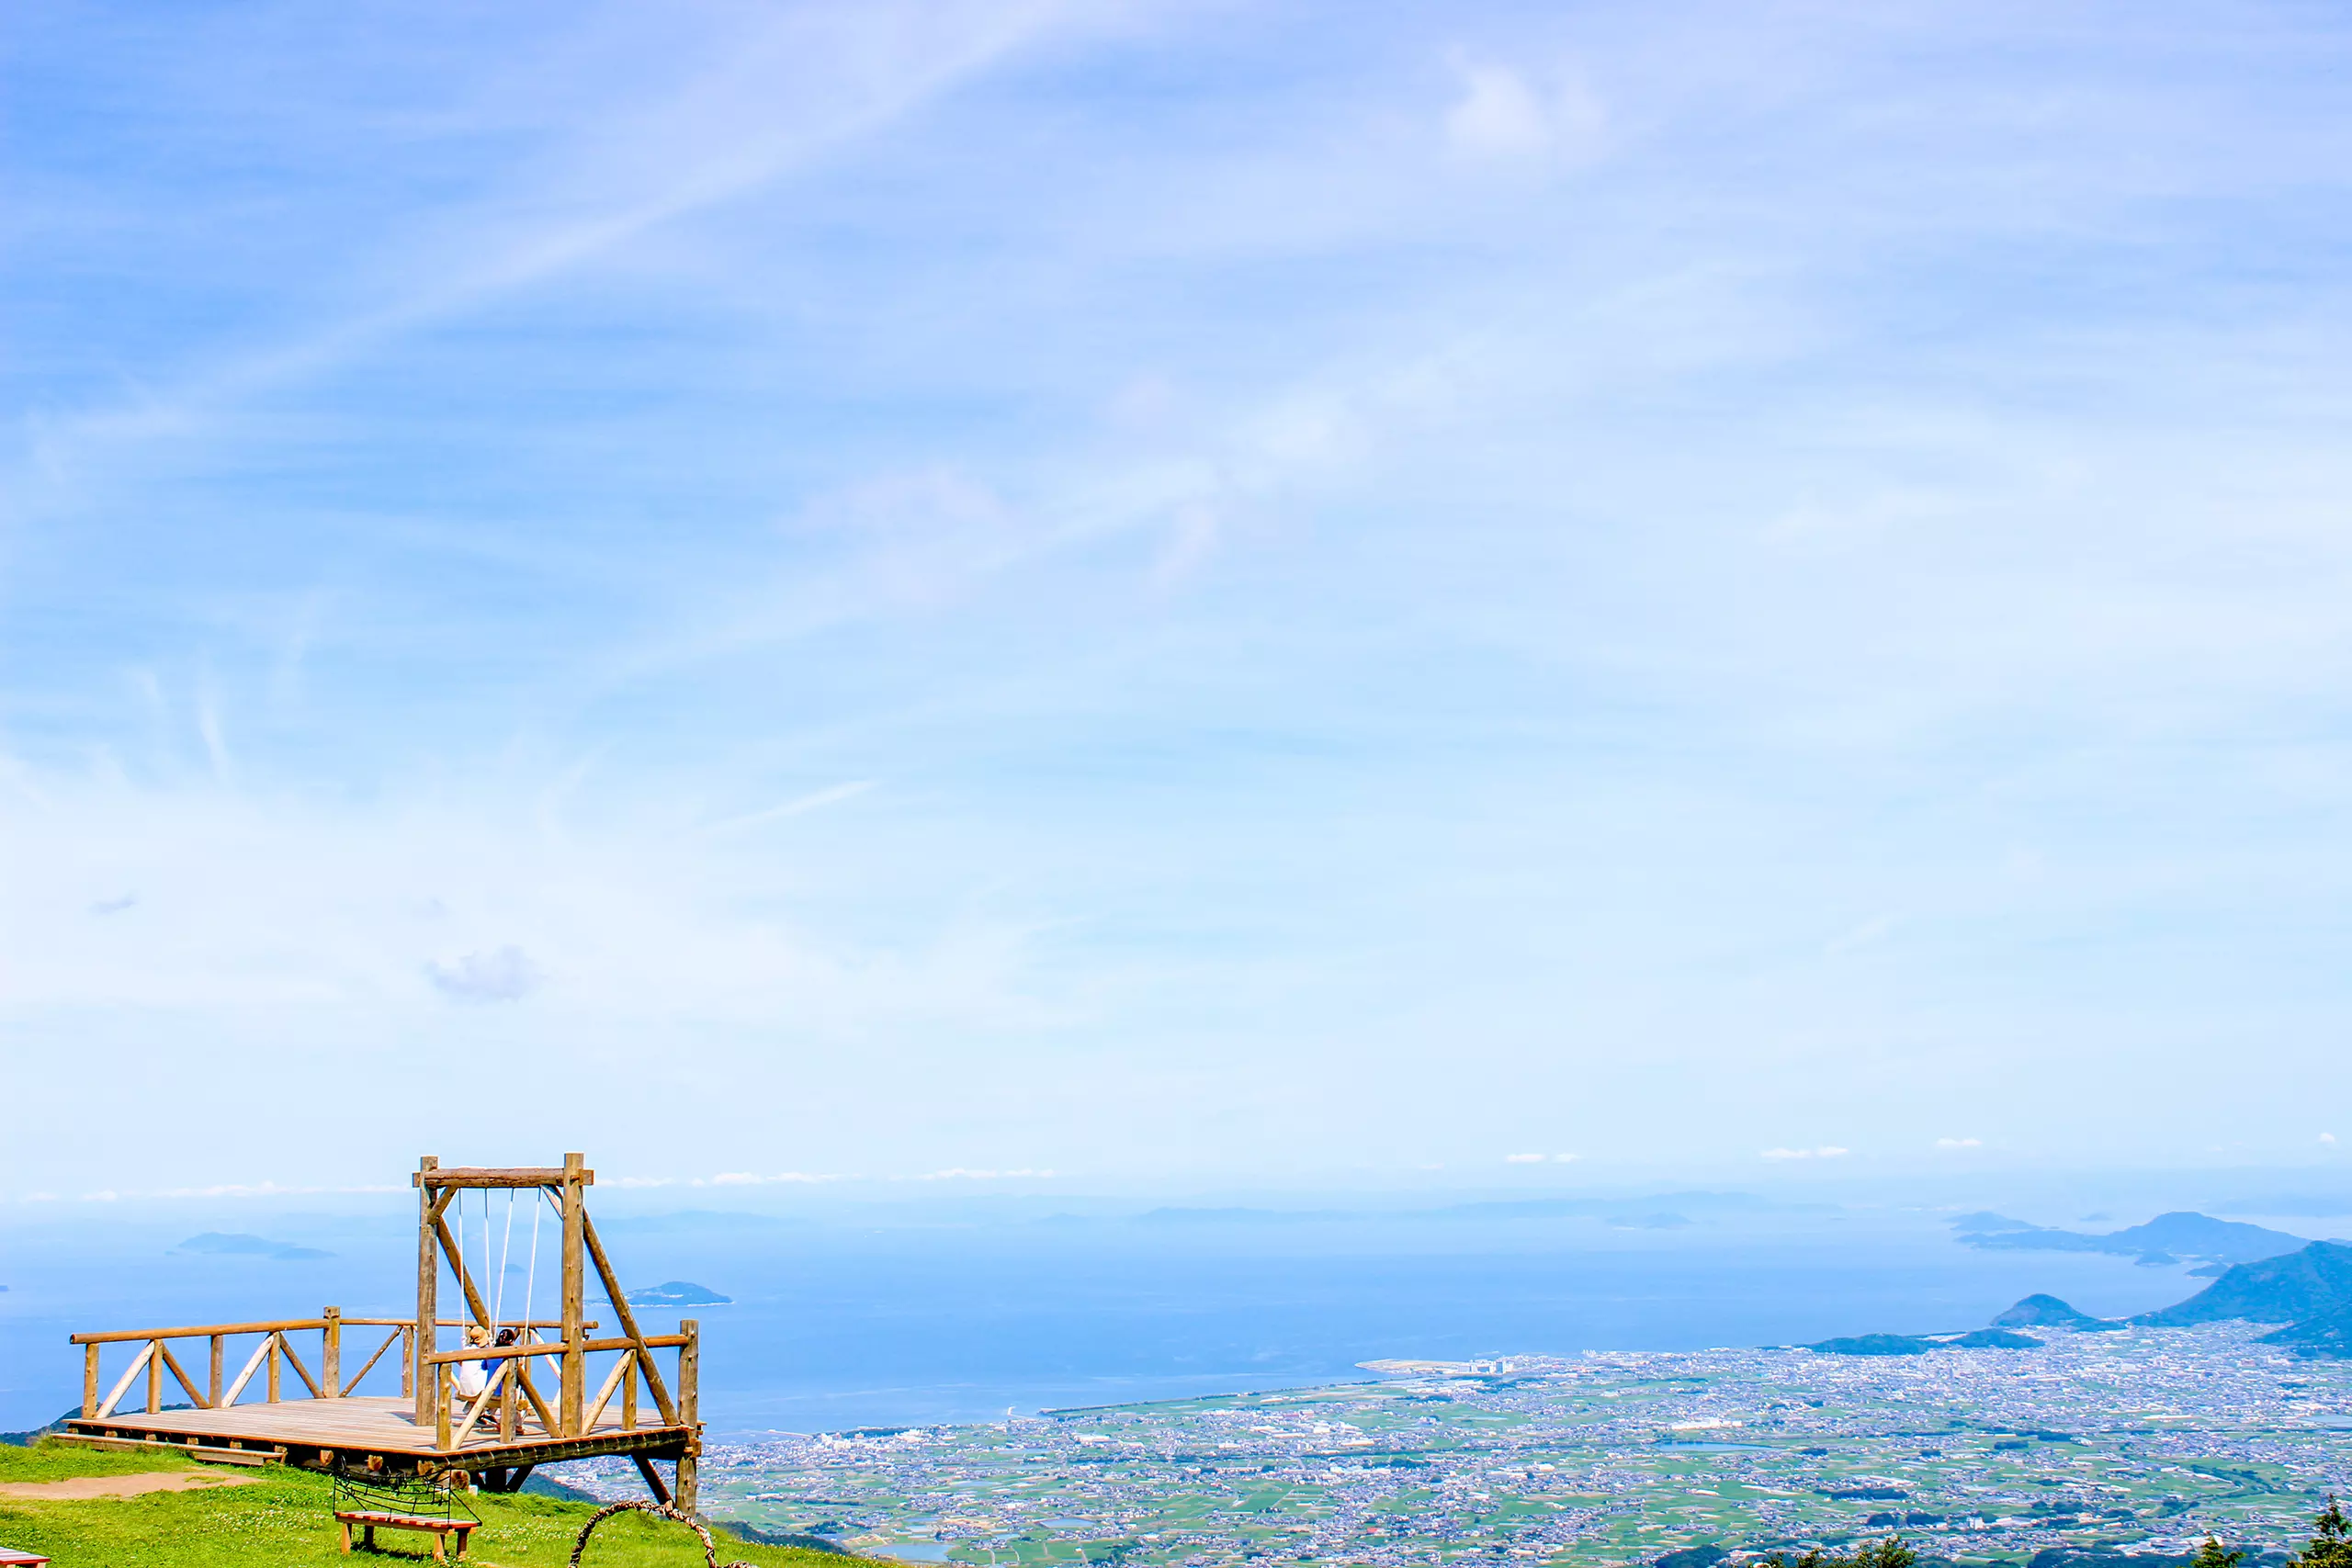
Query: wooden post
[
  {"x": 440, "y": 1381},
  {"x": 212, "y": 1391},
  {"x": 274, "y": 1350},
  {"x": 331, "y": 1355},
  {"x": 408, "y": 1360},
  {"x": 572, "y": 1402},
  {"x": 155, "y": 1377},
  {"x": 90, "y": 1381},
  {"x": 689, "y": 1411},
  {"x": 423, "y": 1339},
  {"x": 628, "y": 1390}
]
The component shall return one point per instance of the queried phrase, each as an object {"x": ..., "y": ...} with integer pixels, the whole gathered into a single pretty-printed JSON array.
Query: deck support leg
[
  {"x": 653, "y": 1481},
  {"x": 515, "y": 1479},
  {"x": 690, "y": 1413}
]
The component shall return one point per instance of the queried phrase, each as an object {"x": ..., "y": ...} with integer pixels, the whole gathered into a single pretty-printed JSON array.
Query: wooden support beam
[
  {"x": 457, "y": 1175},
  {"x": 212, "y": 1382},
  {"x": 302, "y": 1372},
  {"x": 253, "y": 1365},
  {"x": 389, "y": 1339},
  {"x": 573, "y": 1393},
  {"x": 199, "y": 1331},
  {"x": 498, "y": 1380},
  {"x": 155, "y": 1377},
  {"x": 653, "y": 1481},
  {"x": 558, "y": 1347},
  {"x": 130, "y": 1375},
  {"x": 604, "y": 1394},
  {"x": 89, "y": 1382},
  {"x": 653, "y": 1384},
  {"x": 690, "y": 1412},
  {"x": 164, "y": 1352},
  {"x": 422, "y": 1380},
  {"x": 331, "y": 1355}
]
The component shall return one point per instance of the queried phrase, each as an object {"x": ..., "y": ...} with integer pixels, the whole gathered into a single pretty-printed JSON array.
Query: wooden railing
[
  {"x": 508, "y": 1390},
  {"x": 510, "y": 1386},
  {"x": 268, "y": 1359}
]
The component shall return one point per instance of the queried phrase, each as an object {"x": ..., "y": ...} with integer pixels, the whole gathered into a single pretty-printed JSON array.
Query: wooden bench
[
  {"x": 370, "y": 1523},
  {"x": 15, "y": 1559}
]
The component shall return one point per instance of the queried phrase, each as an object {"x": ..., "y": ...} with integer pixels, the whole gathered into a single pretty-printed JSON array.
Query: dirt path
[{"x": 122, "y": 1485}]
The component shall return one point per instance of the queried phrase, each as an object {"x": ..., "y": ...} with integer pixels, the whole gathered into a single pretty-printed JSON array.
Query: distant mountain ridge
[
  {"x": 2048, "y": 1311},
  {"x": 2166, "y": 1239},
  {"x": 2313, "y": 1282},
  {"x": 2329, "y": 1337}
]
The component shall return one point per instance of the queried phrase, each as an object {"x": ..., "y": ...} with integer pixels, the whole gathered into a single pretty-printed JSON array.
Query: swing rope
[
  {"x": 505, "y": 1250},
  {"x": 531, "y": 1279}
]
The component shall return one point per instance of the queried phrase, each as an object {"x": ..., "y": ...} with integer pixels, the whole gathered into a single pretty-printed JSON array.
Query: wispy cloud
[
  {"x": 789, "y": 1177},
  {"x": 801, "y": 805},
  {"x": 1345, "y": 562},
  {"x": 1826, "y": 1151},
  {"x": 502, "y": 975}
]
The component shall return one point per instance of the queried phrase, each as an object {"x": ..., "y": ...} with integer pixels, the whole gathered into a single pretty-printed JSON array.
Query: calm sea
[{"x": 839, "y": 1325}]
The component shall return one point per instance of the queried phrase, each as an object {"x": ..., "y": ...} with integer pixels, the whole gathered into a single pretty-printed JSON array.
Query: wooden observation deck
[{"x": 495, "y": 1438}]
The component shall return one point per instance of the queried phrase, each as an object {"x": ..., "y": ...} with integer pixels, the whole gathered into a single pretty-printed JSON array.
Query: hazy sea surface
[{"x": 842, "y": 1325}]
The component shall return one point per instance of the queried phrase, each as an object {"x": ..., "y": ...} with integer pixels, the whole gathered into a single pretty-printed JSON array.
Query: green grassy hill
[{"x": 283, "y": 1519}]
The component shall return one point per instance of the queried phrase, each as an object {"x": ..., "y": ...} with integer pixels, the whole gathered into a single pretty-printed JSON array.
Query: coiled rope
[{"x": 660, "y": 1511}]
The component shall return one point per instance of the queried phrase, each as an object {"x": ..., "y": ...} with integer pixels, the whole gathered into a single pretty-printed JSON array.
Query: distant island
[
  {"x": 2165, "y": 1240},
  {"x": 676, "y": 1292},
  {"x": 235, "y": 1244}
]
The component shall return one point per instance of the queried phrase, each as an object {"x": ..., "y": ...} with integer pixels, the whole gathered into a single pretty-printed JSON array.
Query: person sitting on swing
[
  {"x": 505, "y": 1337},
  {"x": 472, "y": 1376}
]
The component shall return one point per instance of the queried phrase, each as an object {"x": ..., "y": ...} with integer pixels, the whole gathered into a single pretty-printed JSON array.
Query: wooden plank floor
[{"x": 361, "y": 1424}]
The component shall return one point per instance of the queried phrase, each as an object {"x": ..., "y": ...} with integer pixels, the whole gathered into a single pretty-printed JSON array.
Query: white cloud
[
  {"x": 505, "y": 975},
  {"x": 2327, "y": 1138},
  {"x": 1522, "y": 1159},
  {"x": 1502, "y": 113},
  {"x": 959, "y": 1174},
  {"x": 1960, "y": 1143},
  {"x": 1827, "y": 1151},
  {"x": 1498, "y": 115},
  {"x": 747, "y": 1178}
]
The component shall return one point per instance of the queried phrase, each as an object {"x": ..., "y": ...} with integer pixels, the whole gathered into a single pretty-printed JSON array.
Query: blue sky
[{"x": 1157, "y": 591}]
